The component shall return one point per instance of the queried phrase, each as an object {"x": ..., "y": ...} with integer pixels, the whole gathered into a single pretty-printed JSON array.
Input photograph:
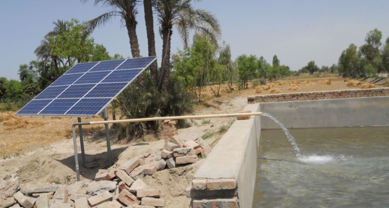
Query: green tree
[
  {"x": 99, "y": 53},
  {"x": 14, "y": 89},
  {"x": 312, "y": 67},
  {"x": 230, "y": 73},
  {"x": 247, "y": 66},
  {"x": 180, "y": 13},
  {"x": 276, "y": 61},
  {"x": 3, "y": 89},
  {"x": 350, "y": 62},
  {"x": 385, "y": 56},
  {"x": 262, "y": 67}
]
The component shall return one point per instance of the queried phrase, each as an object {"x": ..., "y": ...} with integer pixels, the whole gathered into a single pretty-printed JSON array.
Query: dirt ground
[{"x": 40, "y": 150}]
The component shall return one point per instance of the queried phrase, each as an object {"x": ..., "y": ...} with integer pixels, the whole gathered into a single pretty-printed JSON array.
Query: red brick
[
  {"x": 128, "y": 198},
  {"x": 148, "y": 193},
  {"x": 147, "y": 201}
]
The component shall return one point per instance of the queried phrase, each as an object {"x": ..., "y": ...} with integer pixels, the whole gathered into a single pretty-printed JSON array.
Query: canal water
[{"x": 338, "y": 167}]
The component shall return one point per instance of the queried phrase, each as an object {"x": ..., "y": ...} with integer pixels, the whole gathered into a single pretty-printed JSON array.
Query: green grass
[
  {"x": 206, "y": 122},
  {"x": 207, "y": 135}
]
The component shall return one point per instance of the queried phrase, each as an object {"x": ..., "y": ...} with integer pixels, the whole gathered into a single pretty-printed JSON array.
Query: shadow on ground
[{"x": 93, "y": 162}]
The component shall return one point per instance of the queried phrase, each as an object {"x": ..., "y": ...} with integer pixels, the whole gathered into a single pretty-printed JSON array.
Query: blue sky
[{"x": 296, "y": 31}]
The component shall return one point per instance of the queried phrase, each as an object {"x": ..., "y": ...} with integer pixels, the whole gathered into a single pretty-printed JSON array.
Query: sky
[{"x": 296, "y": 31}]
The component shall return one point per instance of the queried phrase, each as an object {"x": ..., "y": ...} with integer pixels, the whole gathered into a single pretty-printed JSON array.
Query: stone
[
  {"x": 180, "y": 152},
  {"x": 171, "y": 146},
  {"x": 28, "y": 190},
  {"x": 161, "y": 165},
  {"x": 97, "y": 187},
  {"x": 25, "y": 201},
  {"x": 15, "y": 206},
  {"x": 137, "y": 185},
  {"x": 124, "y": 177},
  {"x": 192, "y": 144},
  {"x": 170, "y": 163},
  {"x": 198, "y": 151},
  {"x": 166, "y": 154},
  {"x": 128, "y": 198},
  {"x": 111, "y": 204},
  {"x": 148, "y": 193},
  {"x": 130, "y": 165},
  {"x": 147, "y": 201},
  {"x": 137, "y": 172},
  {"x": 102, "y": 174},
  {"x": 186, "y": 159},
  {"x": 81, "y": 202},
  {"x": 100, "y": 198},
  {"x": 42, "y": 201},
  {"x": 151, "y": 168},
  {"x": 7, "y": 202},
  {"x": 222, "y": 203},
  {"x": 199, "y": 184}
]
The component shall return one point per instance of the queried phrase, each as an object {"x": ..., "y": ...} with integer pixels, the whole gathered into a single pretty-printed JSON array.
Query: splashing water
[{"x": 288, "y": 135}]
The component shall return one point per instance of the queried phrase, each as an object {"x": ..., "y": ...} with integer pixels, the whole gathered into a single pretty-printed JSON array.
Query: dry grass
[
  {"x": 258, "y": 90},
  {"x": 275, "y": 91},
  {"x": 353, "y": 83},
  {"x": 367, "y": 85},
  {"x": 294, "y": 88}
]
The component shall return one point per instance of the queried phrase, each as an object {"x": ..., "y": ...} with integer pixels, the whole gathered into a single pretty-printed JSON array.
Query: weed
[
  {"x": 54, "y": 180},
  {"x": 208, "y": 134},
  {"x": 206, "y": 122},
  {"x": 223, "y": 129},
  {"x": 199, "y": 156},
  {"x": 6, "y": 157},
  {"x": 68, "y": 178}
]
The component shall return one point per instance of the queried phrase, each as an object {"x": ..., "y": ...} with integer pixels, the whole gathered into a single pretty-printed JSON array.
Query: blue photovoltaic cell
[
  {"x": 92, "y": 78},
  {"x": 59, "y": 106},
  {"x": 82, "y": 67},
  {"x": 88, "y": 107},
  {"x": 51, "y": 92},
  {"x": 66, "y": 79},
  {"x": 122, "y": 75},
  {"x": 106, "y": 90},
  {"x": 107, "y": 65},
  {"x": 34, "y": 106},
  {"x": 136, "y": 63},
  {"x": 76, "y": 91},
  {"x": 86, "y": 88}
]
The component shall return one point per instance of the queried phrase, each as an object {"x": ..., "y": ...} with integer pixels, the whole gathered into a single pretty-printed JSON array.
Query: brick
[
  {"x": 161, "y": 165},
  {"x": 102, "y": 174},
  {"x": 176, "y": 141},
  {"x": 171, "y": 146},
  {"x": 171, "y": 163},
  {"x": 186, "y": 159},
  {"x": 124, "y": 177},
  {"x": 148, "y": 193},
  {"x": 123, "y": 186},
  {"x": 198, "y": 151},
  {"x": 15, "y": 206},
  {"x": 75, "y": 187},
  {"x": 166, "y": 154},
  {"x": 228, "y": 184},
  {"x": 60, "y": 205},
  {"x": 42, "y": 201},
  {"x": 7, "y": 202},
  {"x": 206, "y": 148},
  {"x": 130, "y": 165},
  {"x": 61, "y": 195},
  {"x": 111, "y": 204},
  {"x": 112, "y": 174},
  {"x": 220, "y": 203},
  {"x": 147, "y": 201},
  {"x": 25, "y": 201},
  {"x": 214, "y": 184},
  {"x": 199, "y": 184},
  {"x": 137, "y": 172},
  {"x": 138, "y": 184},
  {"x": 180, "y": 152},
  {"x": 100, "y": 198},
  {"x": 151, "y": 168},
  {"x": 97, "y": 187},
  {"x": 81, "y": 202},
  {"x": 9, "y": 187},
  {"x": 192, "y": 144},
  {"x": 188, "y": 191},
  {"x": 128, "y": 198}
]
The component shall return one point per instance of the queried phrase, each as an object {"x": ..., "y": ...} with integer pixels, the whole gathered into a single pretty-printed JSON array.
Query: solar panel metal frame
[{"x": 79, "y": 99}]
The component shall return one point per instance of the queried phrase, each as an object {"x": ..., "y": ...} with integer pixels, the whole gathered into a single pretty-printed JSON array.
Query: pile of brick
[{"x": 116, "y": 190}]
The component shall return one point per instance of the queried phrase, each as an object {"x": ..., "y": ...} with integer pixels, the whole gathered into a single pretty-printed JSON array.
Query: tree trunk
[
  {"x": 131, "y": 29},
  {"x": 165, "y": 66},
  {"x": 56, "y": 68},
  {"x": 151, "y": 40}
]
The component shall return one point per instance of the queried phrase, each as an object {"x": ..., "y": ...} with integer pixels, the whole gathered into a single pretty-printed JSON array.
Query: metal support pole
[
  {"x": 108, "y": 140},
  {"x": 76, "y": 153},
  {"x": 81, "y": 142}
]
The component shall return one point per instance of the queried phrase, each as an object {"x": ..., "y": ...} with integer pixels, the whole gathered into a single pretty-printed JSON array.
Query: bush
[
  {"x": 262, "y": 81},
  {"x": 255, "y": 83},
  {"x": 134, "y": 102}
]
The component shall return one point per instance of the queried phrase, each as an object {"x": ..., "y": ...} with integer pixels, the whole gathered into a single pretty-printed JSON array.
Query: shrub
[{"x": 262, "y": 81}]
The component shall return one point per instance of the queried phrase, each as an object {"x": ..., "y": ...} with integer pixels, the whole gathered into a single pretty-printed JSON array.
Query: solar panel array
[{"x": 86, "y": 89}]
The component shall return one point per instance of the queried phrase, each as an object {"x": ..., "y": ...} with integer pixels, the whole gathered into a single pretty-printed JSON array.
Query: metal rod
[
  {"x": 81, "y": 142},
  {"x": 176, "y": 118},
  {"x": 75, "y": 152},
  {"x": 108, "y": 139}
]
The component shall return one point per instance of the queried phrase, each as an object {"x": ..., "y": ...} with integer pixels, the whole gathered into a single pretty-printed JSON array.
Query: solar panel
[{"x": 86, "y": 89}]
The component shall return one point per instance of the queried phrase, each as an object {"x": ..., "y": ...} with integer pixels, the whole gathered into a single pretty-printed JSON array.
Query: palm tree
[
  {"x": 181, "y": 14},
  {"x": 149, "y": 20},
  {"x": 127, "y": 11}
]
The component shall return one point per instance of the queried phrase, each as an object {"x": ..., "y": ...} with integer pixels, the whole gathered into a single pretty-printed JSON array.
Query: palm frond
[{"x": 101, "y": 20}]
